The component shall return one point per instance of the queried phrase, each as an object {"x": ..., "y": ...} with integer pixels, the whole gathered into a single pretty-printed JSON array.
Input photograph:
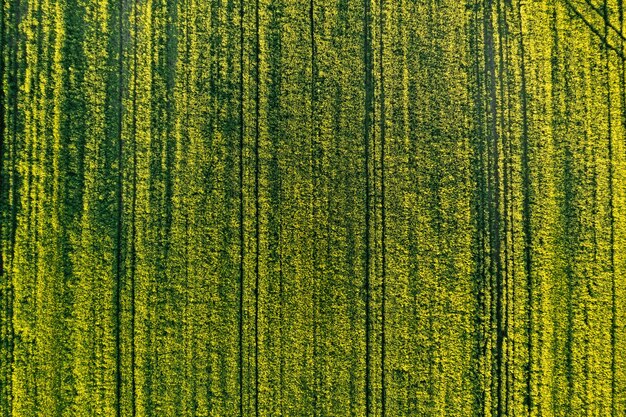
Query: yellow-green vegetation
[{"x": 312, "y": 208}]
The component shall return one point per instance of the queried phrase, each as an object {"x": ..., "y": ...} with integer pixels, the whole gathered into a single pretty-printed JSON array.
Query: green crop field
[{"x": 312, "y": 208}]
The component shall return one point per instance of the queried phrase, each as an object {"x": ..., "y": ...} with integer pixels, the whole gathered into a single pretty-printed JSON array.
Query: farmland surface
[{"x": 312, "y": 208}]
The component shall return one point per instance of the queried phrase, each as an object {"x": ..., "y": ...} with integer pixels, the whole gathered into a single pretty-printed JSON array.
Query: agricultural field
[{"x": 312, "y": 208}]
